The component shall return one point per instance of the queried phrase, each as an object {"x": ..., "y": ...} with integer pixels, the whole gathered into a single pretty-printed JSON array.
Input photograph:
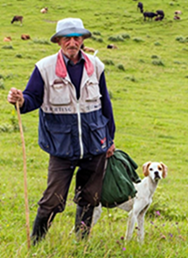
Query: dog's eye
[
  {"x": 159, "y": 168},
  {"x": 150, "y": 169}
]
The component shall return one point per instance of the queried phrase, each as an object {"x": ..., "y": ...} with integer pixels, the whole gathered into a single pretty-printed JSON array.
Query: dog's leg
[
  {"x": 133, "y": 217},
  {"x": 130, "y": 225},
  {"x": 141, "y": 217},
  {"x": 96, "y": 214}
]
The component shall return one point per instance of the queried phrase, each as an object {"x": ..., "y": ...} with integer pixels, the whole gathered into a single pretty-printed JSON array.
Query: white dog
[{"x": 137, "y": 207}]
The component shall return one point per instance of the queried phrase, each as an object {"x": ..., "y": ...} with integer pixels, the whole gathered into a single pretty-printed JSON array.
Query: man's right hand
[{"x": 15, "y": 96}]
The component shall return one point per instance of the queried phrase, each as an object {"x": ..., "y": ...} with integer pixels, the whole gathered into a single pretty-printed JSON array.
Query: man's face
[{"x": 71, "y": 46}]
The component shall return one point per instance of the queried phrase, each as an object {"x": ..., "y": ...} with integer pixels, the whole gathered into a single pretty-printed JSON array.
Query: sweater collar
[
  {"x": 68, "y": 61},
  {"x": 61, "y": 69}
]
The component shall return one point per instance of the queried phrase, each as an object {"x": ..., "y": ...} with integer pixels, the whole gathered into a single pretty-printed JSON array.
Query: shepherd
[{"x": 76, "y": 126}]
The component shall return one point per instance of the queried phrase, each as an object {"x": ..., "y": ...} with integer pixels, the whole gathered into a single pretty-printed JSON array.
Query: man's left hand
[{"x": 110, "y": 151}]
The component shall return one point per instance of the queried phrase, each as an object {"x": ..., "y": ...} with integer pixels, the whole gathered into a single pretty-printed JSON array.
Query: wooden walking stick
[{"x": 25, "y": 175}]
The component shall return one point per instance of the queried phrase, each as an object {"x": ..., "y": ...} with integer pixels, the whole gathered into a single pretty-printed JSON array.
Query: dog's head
[{"x": 156, "y": 170}]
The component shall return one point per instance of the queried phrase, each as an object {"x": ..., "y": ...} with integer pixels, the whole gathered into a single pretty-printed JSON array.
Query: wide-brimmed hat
[{"x": 70, "y": 27}]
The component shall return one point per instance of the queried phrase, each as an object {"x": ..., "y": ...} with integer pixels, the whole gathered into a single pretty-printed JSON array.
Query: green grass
[{"x": 147, "y": 76}]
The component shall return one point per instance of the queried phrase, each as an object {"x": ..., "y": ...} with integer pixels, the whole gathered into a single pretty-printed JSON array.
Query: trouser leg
[
  {"x": 88, "y": 192},
  {"x": 89, "y": 179},
  {"x": 60, "y": 173}
]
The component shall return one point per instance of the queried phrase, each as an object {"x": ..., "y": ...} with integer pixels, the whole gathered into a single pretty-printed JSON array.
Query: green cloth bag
[{"x": 118, "y": 180}]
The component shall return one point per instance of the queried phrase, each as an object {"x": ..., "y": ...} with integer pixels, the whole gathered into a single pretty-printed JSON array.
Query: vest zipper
[{"x": 80, "y": 130}]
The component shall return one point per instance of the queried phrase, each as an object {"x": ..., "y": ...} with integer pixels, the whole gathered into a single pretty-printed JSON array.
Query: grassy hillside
[{"x": 147, "y": 76}]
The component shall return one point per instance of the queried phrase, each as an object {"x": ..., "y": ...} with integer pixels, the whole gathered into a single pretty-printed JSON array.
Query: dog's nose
[{"x": 156, "y": 173}]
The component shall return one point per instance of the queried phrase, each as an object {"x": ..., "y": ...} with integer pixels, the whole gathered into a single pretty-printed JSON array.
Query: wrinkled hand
[
  {"x": 14, "y": 96},
  {"x": 110, "y": 151}
]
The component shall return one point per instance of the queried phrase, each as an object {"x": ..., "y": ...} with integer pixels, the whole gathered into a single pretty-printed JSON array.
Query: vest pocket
[
  {"x": 59, "y": 94},
  {"x": 93, "y": 93},
  {"x": 99, "y": 138},
  {"x": 60, "y": 139}
]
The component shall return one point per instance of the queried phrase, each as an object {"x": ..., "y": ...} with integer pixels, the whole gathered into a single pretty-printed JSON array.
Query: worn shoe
[
  {"x": 40, "y": 229},
  {"x": 83, "y": 221}
]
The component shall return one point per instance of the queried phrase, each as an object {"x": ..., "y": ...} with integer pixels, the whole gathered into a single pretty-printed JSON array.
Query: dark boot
[
  {"x": 40, "y": 228},
  {"x": 83, "y": 221}
]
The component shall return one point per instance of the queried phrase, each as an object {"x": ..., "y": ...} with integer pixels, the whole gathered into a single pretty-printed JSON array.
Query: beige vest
[{"x": 59, "y": 92}]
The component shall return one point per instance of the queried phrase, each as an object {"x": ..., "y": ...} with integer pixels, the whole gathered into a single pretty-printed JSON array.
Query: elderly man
[{"x": 76, "y": 125}]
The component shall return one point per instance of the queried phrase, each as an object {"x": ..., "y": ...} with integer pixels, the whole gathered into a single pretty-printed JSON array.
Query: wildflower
[
  {"x": 117, "y": 242},
  {"x": 181, "y": 237},
  {"x": 83, "y": 226},
  {"x": 158, "y": 213},
  {"x": 124, "y": 248},
  {"x": 122, "y": 237},
  {"x": 82, "y": 222},
  {"x": 163, "y": 237}
]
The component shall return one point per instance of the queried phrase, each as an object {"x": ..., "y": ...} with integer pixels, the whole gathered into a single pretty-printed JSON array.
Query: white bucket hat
[{"x": 70, "y": 27}]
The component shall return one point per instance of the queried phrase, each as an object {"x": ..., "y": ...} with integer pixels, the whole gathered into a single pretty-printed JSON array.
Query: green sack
[{"x": 118, "y": 180}]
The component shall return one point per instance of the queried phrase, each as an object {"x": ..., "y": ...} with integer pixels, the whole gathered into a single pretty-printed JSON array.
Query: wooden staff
[{"x": 25, "y": 175}]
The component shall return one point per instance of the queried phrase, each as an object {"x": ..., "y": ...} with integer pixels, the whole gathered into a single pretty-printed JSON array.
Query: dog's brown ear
[
  {"x": 145, "y": 168},
  {"x": 165, "y": 169}
]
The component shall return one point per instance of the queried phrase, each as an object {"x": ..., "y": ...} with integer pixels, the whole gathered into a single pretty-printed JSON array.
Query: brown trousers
[{"x": 88, "y": 183}]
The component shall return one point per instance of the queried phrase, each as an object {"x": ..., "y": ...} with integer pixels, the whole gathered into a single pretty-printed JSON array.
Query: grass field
[{"x": 147, "y": 77}]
